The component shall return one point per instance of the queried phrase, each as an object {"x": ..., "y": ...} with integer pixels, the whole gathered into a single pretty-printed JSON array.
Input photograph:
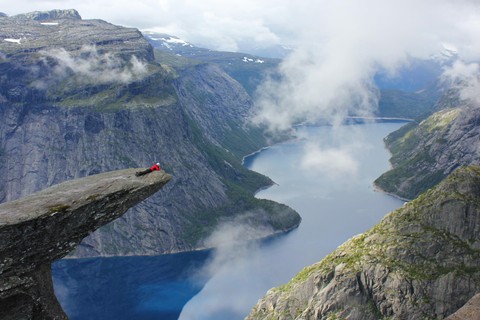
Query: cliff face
[
  {"x": 45, "y": 226},
  {"x": 421, "y": 261},
  {"x": 78, "y": 97},
  {"x": 425, "y": 153}
]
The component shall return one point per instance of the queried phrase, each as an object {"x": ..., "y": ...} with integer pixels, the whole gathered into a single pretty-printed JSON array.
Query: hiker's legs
[{"x": 141, "y": 173}]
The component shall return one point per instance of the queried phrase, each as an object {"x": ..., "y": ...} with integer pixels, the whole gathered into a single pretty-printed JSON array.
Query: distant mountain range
[{"x": 247, "y": 69}]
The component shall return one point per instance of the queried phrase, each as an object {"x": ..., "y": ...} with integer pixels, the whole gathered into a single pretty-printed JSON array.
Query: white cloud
[
  {"x": 343, "y": 43},
  {"x": 329, "y": 162},
  {"x": 233, "y": 260},
  {"x": 221, "y": 25},
  {"x": 339, "y": 45},
  {"x": 466, "y": 78},
  {"x": 93, "y": 67}
]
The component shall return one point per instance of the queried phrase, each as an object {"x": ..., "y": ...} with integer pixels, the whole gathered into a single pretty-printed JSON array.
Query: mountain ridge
[
  {"x": 97, "y": 101},
  {"x": 420, "y": 261}
]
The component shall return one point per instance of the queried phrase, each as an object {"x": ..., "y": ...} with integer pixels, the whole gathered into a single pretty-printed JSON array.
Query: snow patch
[
  {"x": 246, "y": 59},
  {"x": 12, "y": 40},
  {"x": 49, "y": 23},
  {"x": 176, "y": 41},
  {"x": 449, "y": 53}
]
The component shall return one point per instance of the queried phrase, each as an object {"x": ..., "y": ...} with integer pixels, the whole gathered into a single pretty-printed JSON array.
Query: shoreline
[{"x": 376, "y": 188}]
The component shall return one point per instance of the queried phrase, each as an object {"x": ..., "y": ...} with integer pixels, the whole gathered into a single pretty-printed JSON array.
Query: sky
[{"x": 337, "y": 45}]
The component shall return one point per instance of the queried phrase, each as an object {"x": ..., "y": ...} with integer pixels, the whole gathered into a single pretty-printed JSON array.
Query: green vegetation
[
  {"x": 241, "y": 186},
  {"x": 401, "y": 104},
  {"x": 415, "y": 148},
  {"x": 153, "y": 89},
  {"x": 406, "y": 243},
  {"x": 60, "y": 208},
  {"x": 248, "y": 73},
  {"x": 440, "y": 120},
  {"x": 173, "y": 61}
]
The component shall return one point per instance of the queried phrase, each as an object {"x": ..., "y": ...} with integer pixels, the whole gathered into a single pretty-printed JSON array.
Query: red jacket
[{"x": 155, "y": 167}]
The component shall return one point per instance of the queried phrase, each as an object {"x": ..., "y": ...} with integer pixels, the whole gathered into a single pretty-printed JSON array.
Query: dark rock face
[
  {"x": 421, "y": 261},
  {"x": 79, "y": 97},
  {"x": 47, "y": 225}
]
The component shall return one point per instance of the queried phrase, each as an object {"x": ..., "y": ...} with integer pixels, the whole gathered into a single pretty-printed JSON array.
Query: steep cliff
[
  {"x": 45, "y": 226},
  {"x": 425, "y": 153},
  {"x": 421, "y": 261},
  {"x": 78, "y": 97}
]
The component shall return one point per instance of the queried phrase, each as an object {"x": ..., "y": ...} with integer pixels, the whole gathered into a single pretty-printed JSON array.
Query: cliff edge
[
  {"x": 47, "y": 225},
  {"x": 421, "y": 261}
]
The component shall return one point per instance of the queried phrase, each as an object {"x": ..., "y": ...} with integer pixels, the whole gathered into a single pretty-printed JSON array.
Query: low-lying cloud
[
  {"x": 90, "y": 66},
  {"x": 329, "y": 162},
  {"x": 465, "y": 77},
  {"x": 235, "y": 256},
  {"x": 341, "y": 45}
]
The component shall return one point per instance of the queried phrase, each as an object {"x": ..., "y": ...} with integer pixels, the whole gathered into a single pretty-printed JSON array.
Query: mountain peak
[{"x": 50, "y": 15}]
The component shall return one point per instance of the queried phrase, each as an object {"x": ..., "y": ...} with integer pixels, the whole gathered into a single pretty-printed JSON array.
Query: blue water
[
  {"x": 128, "y": 287},
  {"x": 326, "y": 175}
]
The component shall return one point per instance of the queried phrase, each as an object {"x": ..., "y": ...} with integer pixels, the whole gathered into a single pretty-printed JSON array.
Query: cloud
[
  {"x": 220, "y": 25},
  {"x": 331, "y": 162},
  {"x": 338, "y": 45},
  {"x": 342, "y": 44},
  {"x": 235, "y": 257},
  {"x": 90, "y": 66},
  {"x": 465, "y": 77},
  {"x": 237, "y": 231}
]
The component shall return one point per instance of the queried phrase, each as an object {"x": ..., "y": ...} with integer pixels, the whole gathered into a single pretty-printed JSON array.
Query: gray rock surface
[
  {"x": 47, "y": 225},
  {"x": 425, "y": 153},
  {"x": 421, "y": 261},
  {"x": 50, "y": 15},
  {"x": 65, "y": 29},
  {"x": 470, "y": 311},
  {"x": 59, "y": 121}
]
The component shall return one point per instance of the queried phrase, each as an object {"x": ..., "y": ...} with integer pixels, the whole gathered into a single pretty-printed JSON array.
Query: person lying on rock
[{"x": 155, "y": 167}]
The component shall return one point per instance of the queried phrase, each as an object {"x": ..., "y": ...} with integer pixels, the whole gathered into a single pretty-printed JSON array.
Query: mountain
[
  {"x": 421, "y": 261},
  {"x": 247, "y": 69},
  {"x": 175, "y": 44},
  {"x": 45, "y": 226},
  {"x": 413, "y": 91},
  {"x": 79, "y": 97},
  {"x": 425, "y": 152}
]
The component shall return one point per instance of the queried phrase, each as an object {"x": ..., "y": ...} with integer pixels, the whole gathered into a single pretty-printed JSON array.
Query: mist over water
[{"x": 326, "y": 175}]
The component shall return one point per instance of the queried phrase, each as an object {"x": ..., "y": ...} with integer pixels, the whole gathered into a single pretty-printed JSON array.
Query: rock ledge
[{"x": 47, "y": 225}]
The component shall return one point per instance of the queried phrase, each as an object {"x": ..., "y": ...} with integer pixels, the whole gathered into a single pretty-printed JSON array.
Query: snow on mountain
[{"x": 167, "y": 41}]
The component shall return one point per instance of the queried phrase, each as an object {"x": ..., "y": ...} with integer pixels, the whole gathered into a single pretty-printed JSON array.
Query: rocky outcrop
[
  {"x": 79, "y": 97},
  {"x": 425, "y": 153},
  {"x": 47, "y": 225},
  {"x": 27, "y": 34},
  {"x": 50, "y": 15},
  {"x": 421, "y": 261},
  {"x": 470, "y": 311}
]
